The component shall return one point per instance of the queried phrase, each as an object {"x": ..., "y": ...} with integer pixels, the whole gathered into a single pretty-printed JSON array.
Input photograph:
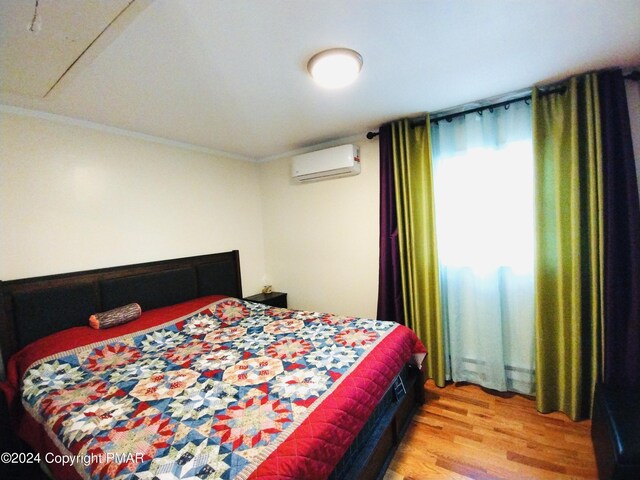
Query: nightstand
[{"x": 274, "y": 299}]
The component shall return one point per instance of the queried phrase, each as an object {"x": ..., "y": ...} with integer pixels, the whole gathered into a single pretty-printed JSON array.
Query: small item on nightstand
[
  {"x": 267, "y": 289},
  {"x": 273, "y": 299}
]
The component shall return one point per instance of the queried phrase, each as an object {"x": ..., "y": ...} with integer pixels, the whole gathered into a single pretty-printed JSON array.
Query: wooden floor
[{"x": 464, "y": 431}]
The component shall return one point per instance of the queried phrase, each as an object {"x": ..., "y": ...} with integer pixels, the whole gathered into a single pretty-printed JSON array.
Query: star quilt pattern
[{"x": 209, "y": 395}]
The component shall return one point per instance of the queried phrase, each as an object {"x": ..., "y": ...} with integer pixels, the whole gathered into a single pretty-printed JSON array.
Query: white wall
[
  {"x": 321, "y": 238},
  {"x": 75, "y": 198}
]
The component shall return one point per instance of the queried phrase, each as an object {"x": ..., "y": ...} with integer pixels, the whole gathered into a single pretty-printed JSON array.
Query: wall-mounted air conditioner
[{"x": 342, "y": 161}]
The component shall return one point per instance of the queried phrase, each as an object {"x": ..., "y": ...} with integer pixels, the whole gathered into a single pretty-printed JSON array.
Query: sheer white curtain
[{"x": 483, "y": 181}]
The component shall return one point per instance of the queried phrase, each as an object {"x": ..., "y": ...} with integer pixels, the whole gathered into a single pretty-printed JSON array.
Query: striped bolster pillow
[{"x": 114, "y": 317}]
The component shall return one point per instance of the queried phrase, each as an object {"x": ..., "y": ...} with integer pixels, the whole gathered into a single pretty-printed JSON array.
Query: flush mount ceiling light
[{"x": 335, "y": 68}]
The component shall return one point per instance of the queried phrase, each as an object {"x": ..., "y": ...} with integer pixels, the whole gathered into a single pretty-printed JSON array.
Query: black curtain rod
[
  {"x": 634, "y": 75},
  {"x": 436, "y": 117},
  {"x": 371, "y": 135},
  {"x": 416, "y": 121}
]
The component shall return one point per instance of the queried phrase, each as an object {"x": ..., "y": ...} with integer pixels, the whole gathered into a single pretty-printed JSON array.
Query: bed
[{"x": 204, "y": 384}]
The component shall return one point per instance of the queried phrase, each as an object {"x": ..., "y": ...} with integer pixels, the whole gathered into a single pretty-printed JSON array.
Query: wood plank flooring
[{"x": 464, "y": 431}]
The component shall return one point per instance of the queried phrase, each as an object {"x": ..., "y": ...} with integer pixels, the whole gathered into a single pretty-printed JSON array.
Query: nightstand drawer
[{"x": 273, "y": 299}]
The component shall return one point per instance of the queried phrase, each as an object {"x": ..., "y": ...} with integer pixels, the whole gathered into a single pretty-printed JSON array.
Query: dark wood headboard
[{"x": 33, "y": 308}]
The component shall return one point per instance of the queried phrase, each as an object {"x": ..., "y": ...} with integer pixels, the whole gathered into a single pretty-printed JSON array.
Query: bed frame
[{"x": 33, "y": 308}]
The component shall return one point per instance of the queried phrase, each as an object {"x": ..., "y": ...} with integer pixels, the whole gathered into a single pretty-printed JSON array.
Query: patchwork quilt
[{"x": 232, "y": 390}]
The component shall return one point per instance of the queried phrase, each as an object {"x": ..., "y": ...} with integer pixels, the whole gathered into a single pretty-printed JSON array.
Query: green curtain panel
[
  {"x": 413, "y": 178},
  {"x": 569, "y": 245}
]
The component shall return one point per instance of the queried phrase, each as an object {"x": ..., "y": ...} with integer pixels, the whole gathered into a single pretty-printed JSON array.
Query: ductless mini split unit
[{"x": 336, "y": 162}]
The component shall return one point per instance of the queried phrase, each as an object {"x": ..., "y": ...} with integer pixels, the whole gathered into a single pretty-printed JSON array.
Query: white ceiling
[{"x": 231, "y": 76}]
